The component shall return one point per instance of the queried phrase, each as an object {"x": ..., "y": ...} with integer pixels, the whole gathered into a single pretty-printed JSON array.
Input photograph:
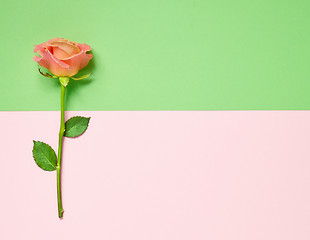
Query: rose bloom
[{"x": 62, "y": 57}]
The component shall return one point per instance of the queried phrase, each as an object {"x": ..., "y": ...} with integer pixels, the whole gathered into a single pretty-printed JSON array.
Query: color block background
[
  {"x": 162, "y": 54},
  {"x": 160, "y": 175},
  {"x": 150, "y": 175}
]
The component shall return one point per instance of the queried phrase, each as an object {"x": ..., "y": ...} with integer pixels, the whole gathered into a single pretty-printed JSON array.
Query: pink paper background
[{"x": 229, "y": 175}]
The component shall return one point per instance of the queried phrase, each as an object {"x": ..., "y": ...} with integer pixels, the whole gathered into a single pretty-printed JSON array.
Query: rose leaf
[
  {"x": 75, "y": 126},
  {"x": 44, "y": 156}
]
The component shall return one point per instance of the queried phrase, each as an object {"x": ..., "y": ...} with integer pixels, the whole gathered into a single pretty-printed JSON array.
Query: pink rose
[{"x": 62, "y": 57}]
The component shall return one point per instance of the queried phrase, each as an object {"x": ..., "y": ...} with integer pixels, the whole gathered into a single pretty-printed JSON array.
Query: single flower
[{"x": 62, "y": 57}]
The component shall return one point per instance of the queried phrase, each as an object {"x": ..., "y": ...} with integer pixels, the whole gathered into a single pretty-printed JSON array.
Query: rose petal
[
  {"x": 84, "y": 47},
  {"x": 61, "y": 40},
  {"x": 59, "y": 53},
  {"x": 64, "y": 49},
  {"x": 53, "y": 64},
  {"x": 42, "y": 48},
  {"x": 36, "y": 58},
  {"x": 48, "y": 43},
  {"x": 39, "y": 48},
  {"x": 77, "y": 62},
  {"x": 84, "y": 63}
]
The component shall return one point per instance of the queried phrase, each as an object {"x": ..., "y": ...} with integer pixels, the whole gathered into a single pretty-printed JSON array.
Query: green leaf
[
  {"x": 44, "y": 156},
  {"x": 75, "y": 126}
]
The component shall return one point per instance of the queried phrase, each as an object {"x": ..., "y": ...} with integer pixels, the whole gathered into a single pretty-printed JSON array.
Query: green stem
[{"x": 61, "y": 134}]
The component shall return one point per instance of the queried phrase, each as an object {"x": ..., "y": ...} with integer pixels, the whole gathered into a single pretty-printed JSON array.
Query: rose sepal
[
  {"x": 64, "y": 80},
  {"x": 82, "y": 77},
  {"x": 47, "y": 74}
]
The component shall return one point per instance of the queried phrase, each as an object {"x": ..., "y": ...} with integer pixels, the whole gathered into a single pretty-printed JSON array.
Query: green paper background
[{"x": 162, "y": 54}]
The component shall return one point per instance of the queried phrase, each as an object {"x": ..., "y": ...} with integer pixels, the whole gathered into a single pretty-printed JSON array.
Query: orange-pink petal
[
  {"x": 78, "y": 61},
  {"x": 53, "y": 64},
  {"x": 64, "y": 49},
  {"x": 84, "y": 47}
]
